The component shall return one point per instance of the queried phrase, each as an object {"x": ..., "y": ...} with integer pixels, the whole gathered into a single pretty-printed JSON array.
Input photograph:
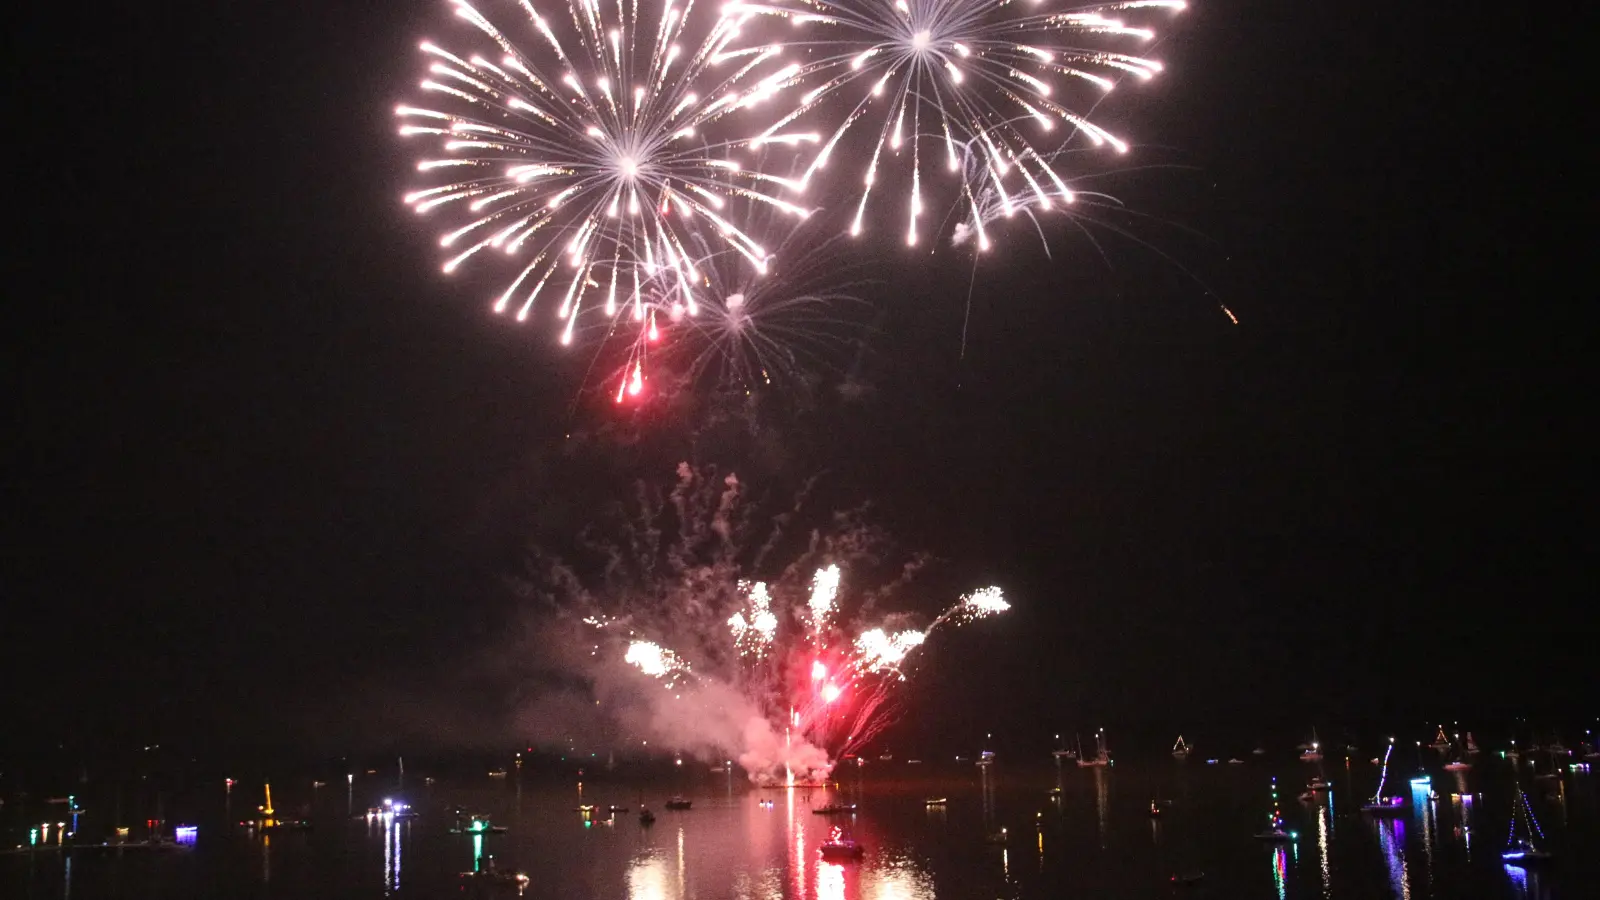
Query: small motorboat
[
  {"x": 616, "y": 809},
  {"x": 1385, "y": 806},
  {"x": 838, "y": 847},
  {"x": 1258, "y": 752},
  {"x": 1276, "y": 836},
  {"x": 1316, "y": 784},
  {"x": 1235, "y": 761},
  {"x": 677, "y": 802},
  {"x": 834, "y": 809},
  {"x": 476, "y": 824},
  {"x": 584, "y": 808},
  {"x": 646, "y": 817},
  {"x": 1155, "y": 810},
  {"x": 1457, "y": 766},
  {"x": 935, "y": 801},
  {"x": 492, "y": 878},
  {"x": 1524, "y": 855}
]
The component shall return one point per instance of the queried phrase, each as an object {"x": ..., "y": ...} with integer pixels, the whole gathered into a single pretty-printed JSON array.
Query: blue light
[{"x": 186, "y": 834}]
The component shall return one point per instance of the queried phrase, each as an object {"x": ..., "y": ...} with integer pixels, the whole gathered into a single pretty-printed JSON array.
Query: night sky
[{"x": 262, "y": 454}]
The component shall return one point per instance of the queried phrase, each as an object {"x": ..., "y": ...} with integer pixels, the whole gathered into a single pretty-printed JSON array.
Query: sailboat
[
  {"x": 1101, "y": 757},
  {"x": 1275, "y": 832},
  {"x": 1313, "y": 751},
  {"x": 1379, "y": 804},
  {"x": 1472, "y": 745},
  {"x": 1521, "y": 851},
  {"x": 1440, "y": 743},
  {"x": 1061, "y": 753},
  {"x": 1180, "y": 750}
]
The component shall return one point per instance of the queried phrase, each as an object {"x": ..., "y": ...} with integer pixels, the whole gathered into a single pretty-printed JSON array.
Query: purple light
[{"x": 185, "y": 834}]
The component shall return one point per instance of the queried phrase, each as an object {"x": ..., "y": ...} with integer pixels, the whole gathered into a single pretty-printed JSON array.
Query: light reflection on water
[
  {"x": 1392, "y": 838},
  {"x": 732, "y": 846}
]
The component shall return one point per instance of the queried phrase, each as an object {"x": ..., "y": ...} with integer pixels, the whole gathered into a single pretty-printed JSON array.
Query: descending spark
[
  {"x": 957, "y": 79},
  {"x": 824, "y": 589},
  {"x": 591, "y": 146}
]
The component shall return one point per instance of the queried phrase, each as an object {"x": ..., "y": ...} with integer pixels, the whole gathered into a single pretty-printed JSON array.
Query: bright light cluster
[
  {"x": 589, "y": 155},
  {"x": 754, "y": 626},
  {"x": 654, "y": 660},
  {"x": 877, "y": 651},
  {"x": 980, "y": 82},
  {"x": 824, "y": 590},
  {"x": 602, "y": 144}
]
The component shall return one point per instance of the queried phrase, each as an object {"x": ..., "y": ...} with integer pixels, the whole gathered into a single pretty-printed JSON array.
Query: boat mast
[{"x": 1383, "y": 776}]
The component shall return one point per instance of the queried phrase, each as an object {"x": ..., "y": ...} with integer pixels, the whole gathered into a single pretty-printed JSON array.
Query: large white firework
[
  {"x": 974, "y": 78},
  {"x": 591, "y": 149}
]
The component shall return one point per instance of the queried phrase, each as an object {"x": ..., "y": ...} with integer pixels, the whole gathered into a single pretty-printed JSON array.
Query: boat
[
  {"x": 837, "y": 847},
  {"x": 613, "y": 808},
  {"x": 1101, "y": 756},
  {"x": 268, "y": 820},
  {"x": 1180, "y": 750},
  {"x": 677, "y": 802},
  {"x": 1441, "y": 743},
  {"x": 1155, "y": 810},
  {"x": 1459, "y": 763},
  {"x": 1380, "y": 805},
  {"x": 476, "y": 824},
  {"x": 834, "y": 809},
  {"x": 497, "y": 773},
  {"x": 1235, "y": 761},
  {"x": 583, "y": 808},
  {"x": 1317, "y": 784},
  {"x": 1521, "y": 849},
  {"x": 1472, "y": 745},
  {"x": 1311, "y": 752},
  {"x": 935, "y": 801},
  {"x": 1258, "y": 752},
  {"x": 1188, "y": 879},
  {"x": 492, "y": 877},
  {"x": 646, "y": 817},
  {"x": 986, "y": 758},
  {"x": 995, "y": 837},
  {"x": 1275, "y": 832}
]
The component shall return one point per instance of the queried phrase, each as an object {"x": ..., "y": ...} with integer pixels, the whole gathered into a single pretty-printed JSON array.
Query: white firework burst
[
  {"x": 594, "y": 150},
  {"x": 974, "y": 78}
]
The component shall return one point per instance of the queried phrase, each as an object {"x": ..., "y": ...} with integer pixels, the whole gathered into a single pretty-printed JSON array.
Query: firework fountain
[{"x": 786, "y": 672}]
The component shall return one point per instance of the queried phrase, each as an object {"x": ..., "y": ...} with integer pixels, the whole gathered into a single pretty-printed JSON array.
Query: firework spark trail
[
  {"x": 985, "y": 73},
  {"x": 824, "y": 590},
  {"x": 754, "y": 627},
  {"x": 793, "y": 669},
  {"x": 588, "y": 154}
]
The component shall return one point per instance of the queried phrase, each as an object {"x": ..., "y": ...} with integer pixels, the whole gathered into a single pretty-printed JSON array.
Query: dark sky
[{"x": 261, "y": 451}]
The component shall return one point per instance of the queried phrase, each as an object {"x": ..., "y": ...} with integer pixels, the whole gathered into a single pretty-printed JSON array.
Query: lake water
[{"x": 1095, "y": 839}]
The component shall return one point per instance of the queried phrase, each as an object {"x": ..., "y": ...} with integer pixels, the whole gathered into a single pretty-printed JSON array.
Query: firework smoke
[{"x": 784, "y": 673}]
